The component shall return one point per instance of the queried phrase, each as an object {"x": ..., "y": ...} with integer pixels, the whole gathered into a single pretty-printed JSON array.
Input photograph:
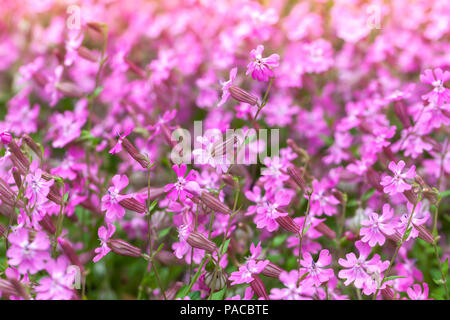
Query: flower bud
[
  {"x": 3, "y": 230},
  {"x": 296, "y": 175},
  {"x": 424, "y": 233},
  {"x": 133, "y": 205},
  {"x": 69, "y": 89},
  {"x": 218, "y": 282},
  {"x": 243, "y": 96},
  {"x": 17, "y": 177},
  {"x": 325, "y": 230},
  {"x": 215, "y": 204},
  {"x": 5, "y": 137},
  {"x": 140, "y": 158},
  {"x": 389, "y": 154},
  {"x": 199, "y": 241},
  {"x": 70, "y": 252},
  {"x": 95, "y": 26},
  {"x": 172, "y": 291},
  {"x": 13, "y": 287},
  {"x": 47, "y": 223},
  {"x": 374, "y": 179},
  {"x": 33, "y": 145},
  {"x": 272, "y": 270},
  {"x": 287, "y": 223},
  {"x": 87, "y": 54},
  {"x": 133, "y": 67},
  {"x": 396, "y": 237},
  {"x": 258, "y": 287},
  {"x": 22, "y": 162},
  {"x": 410, "y": 195},
  {"x": 388, "y": 294},
  {"x": 123, "y": 248},
  {"x": 228, "y": 179},
  {"x": 402, "y": 114}
]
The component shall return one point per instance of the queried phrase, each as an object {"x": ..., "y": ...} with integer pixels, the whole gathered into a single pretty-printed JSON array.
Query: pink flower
[
  {"x": 365, "y": 273},
  {"x": 397, "y": 183},
  {"x": 440, "y": 94},
  {"x": 226, "y": 86},
  {"x": 104, "y": 234},
  {"x": 246, "y": 272},
  {"x": 118, "y": 147},
  {"x": 5, "y": 137},
  {"x": 37, "y": 188},
  {"x": 317, "y": 272},
  {"x": 376, "y": 228},
  {"x": 267, "y": 214},
  {"x": 416, "y": 293},
  {"x": 28, "y": 255},
  {"x": 110, "y": 201},
  {"x": 420, "y": 217},
  {"x": 58, "y": 286},
  {"x": 262, "y": 68},
  {"x": 321, "y": 202},
  {"x": 293, "y": 290},
  {"x": 177, "y": 189}
]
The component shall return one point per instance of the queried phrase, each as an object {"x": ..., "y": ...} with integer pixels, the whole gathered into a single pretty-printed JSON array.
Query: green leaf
[
  {"x": 152, "y": 206},
  {"x": 164, "y": 232},
  {"x": 159, "y": 249},
  {"x": 219, "y": 294},
  {"x": 194, "y": 295},
  {"x": 445, "y": 268},
  {"x": 279, "y": 240},
  {"x": 225, "y": 247},
  {"x": 96, "y": 92},
  {"x": 393, "y": 277},
  {"x": 66, "y": 196},
  {"x": 445, "y": 193},
  {"x": 368, "y": 194},
  {"x": 406, "y": 235}
]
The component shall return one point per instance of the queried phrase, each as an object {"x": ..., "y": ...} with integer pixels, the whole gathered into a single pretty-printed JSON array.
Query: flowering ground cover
[{"x": 226, "y": 149}]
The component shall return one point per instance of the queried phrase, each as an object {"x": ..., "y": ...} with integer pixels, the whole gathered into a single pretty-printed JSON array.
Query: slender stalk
[{"x": 308, "y": 209}]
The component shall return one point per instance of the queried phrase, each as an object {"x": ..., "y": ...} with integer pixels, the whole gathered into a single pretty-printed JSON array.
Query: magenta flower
[
  {"x": 416, "y": 293},
  {"x": 420, "y": 217},
  {"x": 26, "y": 254},
  {"x": 37, "y": 188},
  {"x": 293, "y": 290},
  {"x": 104, "y": 234},
  {"x": 436, "y": 78},
  {"x": 110, "y": 201},
  {"x": 177, "y": 189},
  {"x": 226, "y": 86},
  {"x": 267, "y": 214},
  {"x": 262, "y": 68},
  {"x": 365, "y": 273},
  {"x": 378, "y": 227},
  {"x": 397, "y": 183},
  {"x": 246, "y": 272},
  {"x": 5, "y": 137},
  {"x": 318, "y": 274},
  {"x": 118, "y": 146},
  {"x": 320, "y": 201},
  {"x": 58, "y": 286}
]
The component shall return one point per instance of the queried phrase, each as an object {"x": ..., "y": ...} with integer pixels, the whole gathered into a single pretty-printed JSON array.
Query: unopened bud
[
  {"x": 387, "y": 293},
  {"x": 218, "y": 281},
  {"x": 123, "y": 248},
  {"x": 287, "y": 223},
  {"x": 87, "y": 54},
  {"x": 5, "y": 137},
  {"x": 133, "y": 67},
  {"x": 296, "y": 175},
  {"x": 258, "y": 287},
  {"x": 325, "y": 230},
  {"x": 389, "y": 154},
  {"x": 133, "y": 205},
  {"x": 299, "y": 151},
  {"x": 69, "y": 89},
  {"x": 214, "y": 204},
  {"x": 132, "y": 151},
  {"x": 396, "y": 237},
  {"x": 242, "y": 95},
  {"x": 47, "y": 223},
  {"x": 70, "y": 252},
  {"x": 374, "y": 179},
  {"x": 95, "y": 26},
  {"x": 33, "y": 145},
  {"x": 272, "y": 270},
  {"x": 229, "y": 180},
  {"x": 424, "y": 233},
  {"x": 17, "y": 177},
  {"x": 199, "y": 241},
  {"x": 402, "y": 114},
  {"x": 410, "y": 195}
]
